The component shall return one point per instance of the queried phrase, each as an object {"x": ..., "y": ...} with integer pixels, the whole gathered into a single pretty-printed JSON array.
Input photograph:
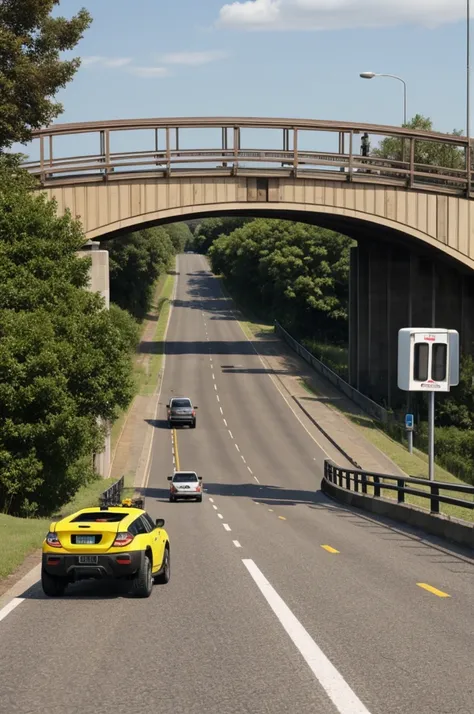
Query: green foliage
[
  {"x": 31, "y": 71},
  {"x": 426, "y": 152},
  {"x": 180, "y": 235},
  {"x": 210, "y": 229},
  {"x": 136, "y": 261},
  {"x": 127, "y": 325},
  {"x": 457, "y": 408},
  {"x": 64, "y": 362},
  {"x": 293, "y": 272}
]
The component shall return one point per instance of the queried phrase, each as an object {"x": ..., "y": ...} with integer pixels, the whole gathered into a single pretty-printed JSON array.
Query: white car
[{"x": 185, "y": 484}]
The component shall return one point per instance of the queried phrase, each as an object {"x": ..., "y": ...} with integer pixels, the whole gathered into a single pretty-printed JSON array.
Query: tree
[
  {"x": 64, "y": 361},
  {"x": 293, "y": 272},
  {"x": 211, "y": 228},
  {"x": 136, "y": 260},
  {"x": 31, "y": 71},
  {"x": 180, "y": 235},
  {"x": 426, "y": 152}
]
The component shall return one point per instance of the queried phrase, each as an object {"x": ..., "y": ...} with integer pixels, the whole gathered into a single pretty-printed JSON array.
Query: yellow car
[{"x": 106, "y": 542}]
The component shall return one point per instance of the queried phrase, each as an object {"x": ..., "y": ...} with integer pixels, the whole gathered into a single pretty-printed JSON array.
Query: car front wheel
[{"x": 52, "y": 585}]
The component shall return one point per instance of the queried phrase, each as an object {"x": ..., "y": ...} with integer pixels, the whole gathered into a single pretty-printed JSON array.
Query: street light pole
[{"x": 371, "y": 75}]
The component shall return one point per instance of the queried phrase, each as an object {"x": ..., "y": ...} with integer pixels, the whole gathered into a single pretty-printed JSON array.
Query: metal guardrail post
[
  {"x": 434, "y": 500},
  {"x": 376, "y": 486},
  {"x": 401, "y": 492}
]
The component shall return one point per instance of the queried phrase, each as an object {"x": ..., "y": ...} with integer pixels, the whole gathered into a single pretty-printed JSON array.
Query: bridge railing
[
  {"x": 373, "y": 484},
  {"x": 167, "y": 152}
]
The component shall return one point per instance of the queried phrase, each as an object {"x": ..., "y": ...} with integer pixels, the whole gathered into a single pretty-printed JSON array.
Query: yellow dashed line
[
  {"x": 282, "y": 518},
  {"x": 176, "y": 452},
  {"x": 432, "y": 590},
  {"x": 329, "y": 549}
]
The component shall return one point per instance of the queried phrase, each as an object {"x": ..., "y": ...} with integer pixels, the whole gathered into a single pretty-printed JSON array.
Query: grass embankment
[
  {"x": 415, "y": 465},
  {"x": 22, "y": 536},
  {"x": 147, "y": 368}
]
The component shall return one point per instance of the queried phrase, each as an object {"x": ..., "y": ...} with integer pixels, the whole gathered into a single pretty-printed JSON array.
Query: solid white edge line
[
  {"x": 236, "y": 543},
  {"x": 333, "y": 683},
  {"x": 11, "y": 606},
  {"x": 227, "y": 527},
  {"x": 146, "y": 476}
]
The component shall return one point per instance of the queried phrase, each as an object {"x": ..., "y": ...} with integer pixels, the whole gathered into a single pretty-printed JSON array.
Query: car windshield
[
  {"x": 182, "y": 478},
  {"x": 180, "y": 403}
]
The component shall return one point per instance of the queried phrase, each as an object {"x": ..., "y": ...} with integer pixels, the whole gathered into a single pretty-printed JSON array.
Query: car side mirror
[
  {"x": 169, "y": 478},
  {"x": 167, "y": 406},
  {"x": 195, "y": 407},
  {"x": 160, "y": 522},
  {"x": 200, "y": 478}
]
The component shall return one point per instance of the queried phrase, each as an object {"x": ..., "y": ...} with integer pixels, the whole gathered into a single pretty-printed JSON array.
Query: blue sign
[{"x": 409, "y": 421}]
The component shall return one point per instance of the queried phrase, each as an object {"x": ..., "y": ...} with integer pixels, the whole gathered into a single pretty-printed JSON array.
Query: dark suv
[{"x": 181, "y": 411}]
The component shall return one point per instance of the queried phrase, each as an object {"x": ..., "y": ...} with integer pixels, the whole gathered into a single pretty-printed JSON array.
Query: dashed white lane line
[
  {"x": 250, "y": 470},
  {"x": 214, "y": 506},
  {"x": 11, "y": 606},
  {"x": 256, "y": 479},
  {"x": 243, "y": 458},
  {"x": 213, "y": 376},
  {"x": 335, "y": 686},
  {"x": 218, "y": 398},
  {"x": 211, "y": 500},
  {"x": 236, "y": 543},
  {"x": 225, "y": 422},
  {"x": 215, "y": 387},
  {"x": 221, "y": 410},
  {"x": 236, "y": 446},
  {"x": 230, "y": 434},
  {"x": 227, "y": 527},
  {"x": 219, "y": 515}
]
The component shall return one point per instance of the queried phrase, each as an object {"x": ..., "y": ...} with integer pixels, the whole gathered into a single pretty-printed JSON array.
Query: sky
[{"x": 278, "y": 58}]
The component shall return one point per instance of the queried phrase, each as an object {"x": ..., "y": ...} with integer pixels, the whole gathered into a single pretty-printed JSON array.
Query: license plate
[
  {"x": 88, "y": 559},
  {"x": 85, "y": 540}
]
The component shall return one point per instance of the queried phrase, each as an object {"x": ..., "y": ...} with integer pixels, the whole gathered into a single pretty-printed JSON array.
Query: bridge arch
[{"x": 414, "y": 224}]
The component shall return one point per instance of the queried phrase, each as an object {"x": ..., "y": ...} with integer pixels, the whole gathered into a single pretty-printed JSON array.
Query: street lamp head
[{"x": 367, "y": 75}]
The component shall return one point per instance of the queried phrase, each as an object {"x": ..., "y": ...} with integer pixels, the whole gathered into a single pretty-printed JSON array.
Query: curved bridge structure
[
  {"x": 413, "y": 222},
  {"x": 196, "y": 166}
]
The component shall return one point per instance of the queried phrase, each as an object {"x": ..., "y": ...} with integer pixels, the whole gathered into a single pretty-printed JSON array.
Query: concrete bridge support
[
  {"x": 393, "y": 287},
  {"x": 100, "y": 283}
]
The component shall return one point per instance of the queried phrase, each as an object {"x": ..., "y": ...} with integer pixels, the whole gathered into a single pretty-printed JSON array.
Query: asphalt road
[{"x": 261, "y": 615}]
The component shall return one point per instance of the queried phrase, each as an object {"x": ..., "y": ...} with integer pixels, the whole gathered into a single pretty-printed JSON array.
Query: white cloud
[
  {"x": 193, "y": 58},
  {"x": 149, "y": 71},
  {"x": 338, "y": 14},
  {"x": 111, "y": 62}
]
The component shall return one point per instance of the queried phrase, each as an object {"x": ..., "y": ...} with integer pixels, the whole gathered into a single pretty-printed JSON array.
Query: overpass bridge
[{"x": 413, "y": 222}]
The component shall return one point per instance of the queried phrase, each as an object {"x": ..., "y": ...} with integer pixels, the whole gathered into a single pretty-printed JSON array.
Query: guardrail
[
  {"x": 296, "y": 154},
  {"x": 372, "y": 408},
  {"x": 112, "y": 496},
  {"x": 363, "y": 481}
]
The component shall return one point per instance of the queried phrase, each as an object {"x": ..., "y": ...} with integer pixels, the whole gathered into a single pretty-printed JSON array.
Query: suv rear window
[
  {"x": 181, "y": 403},
  {"x": 183, "y": 478},
  {"x": 100, "y": 516}
]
